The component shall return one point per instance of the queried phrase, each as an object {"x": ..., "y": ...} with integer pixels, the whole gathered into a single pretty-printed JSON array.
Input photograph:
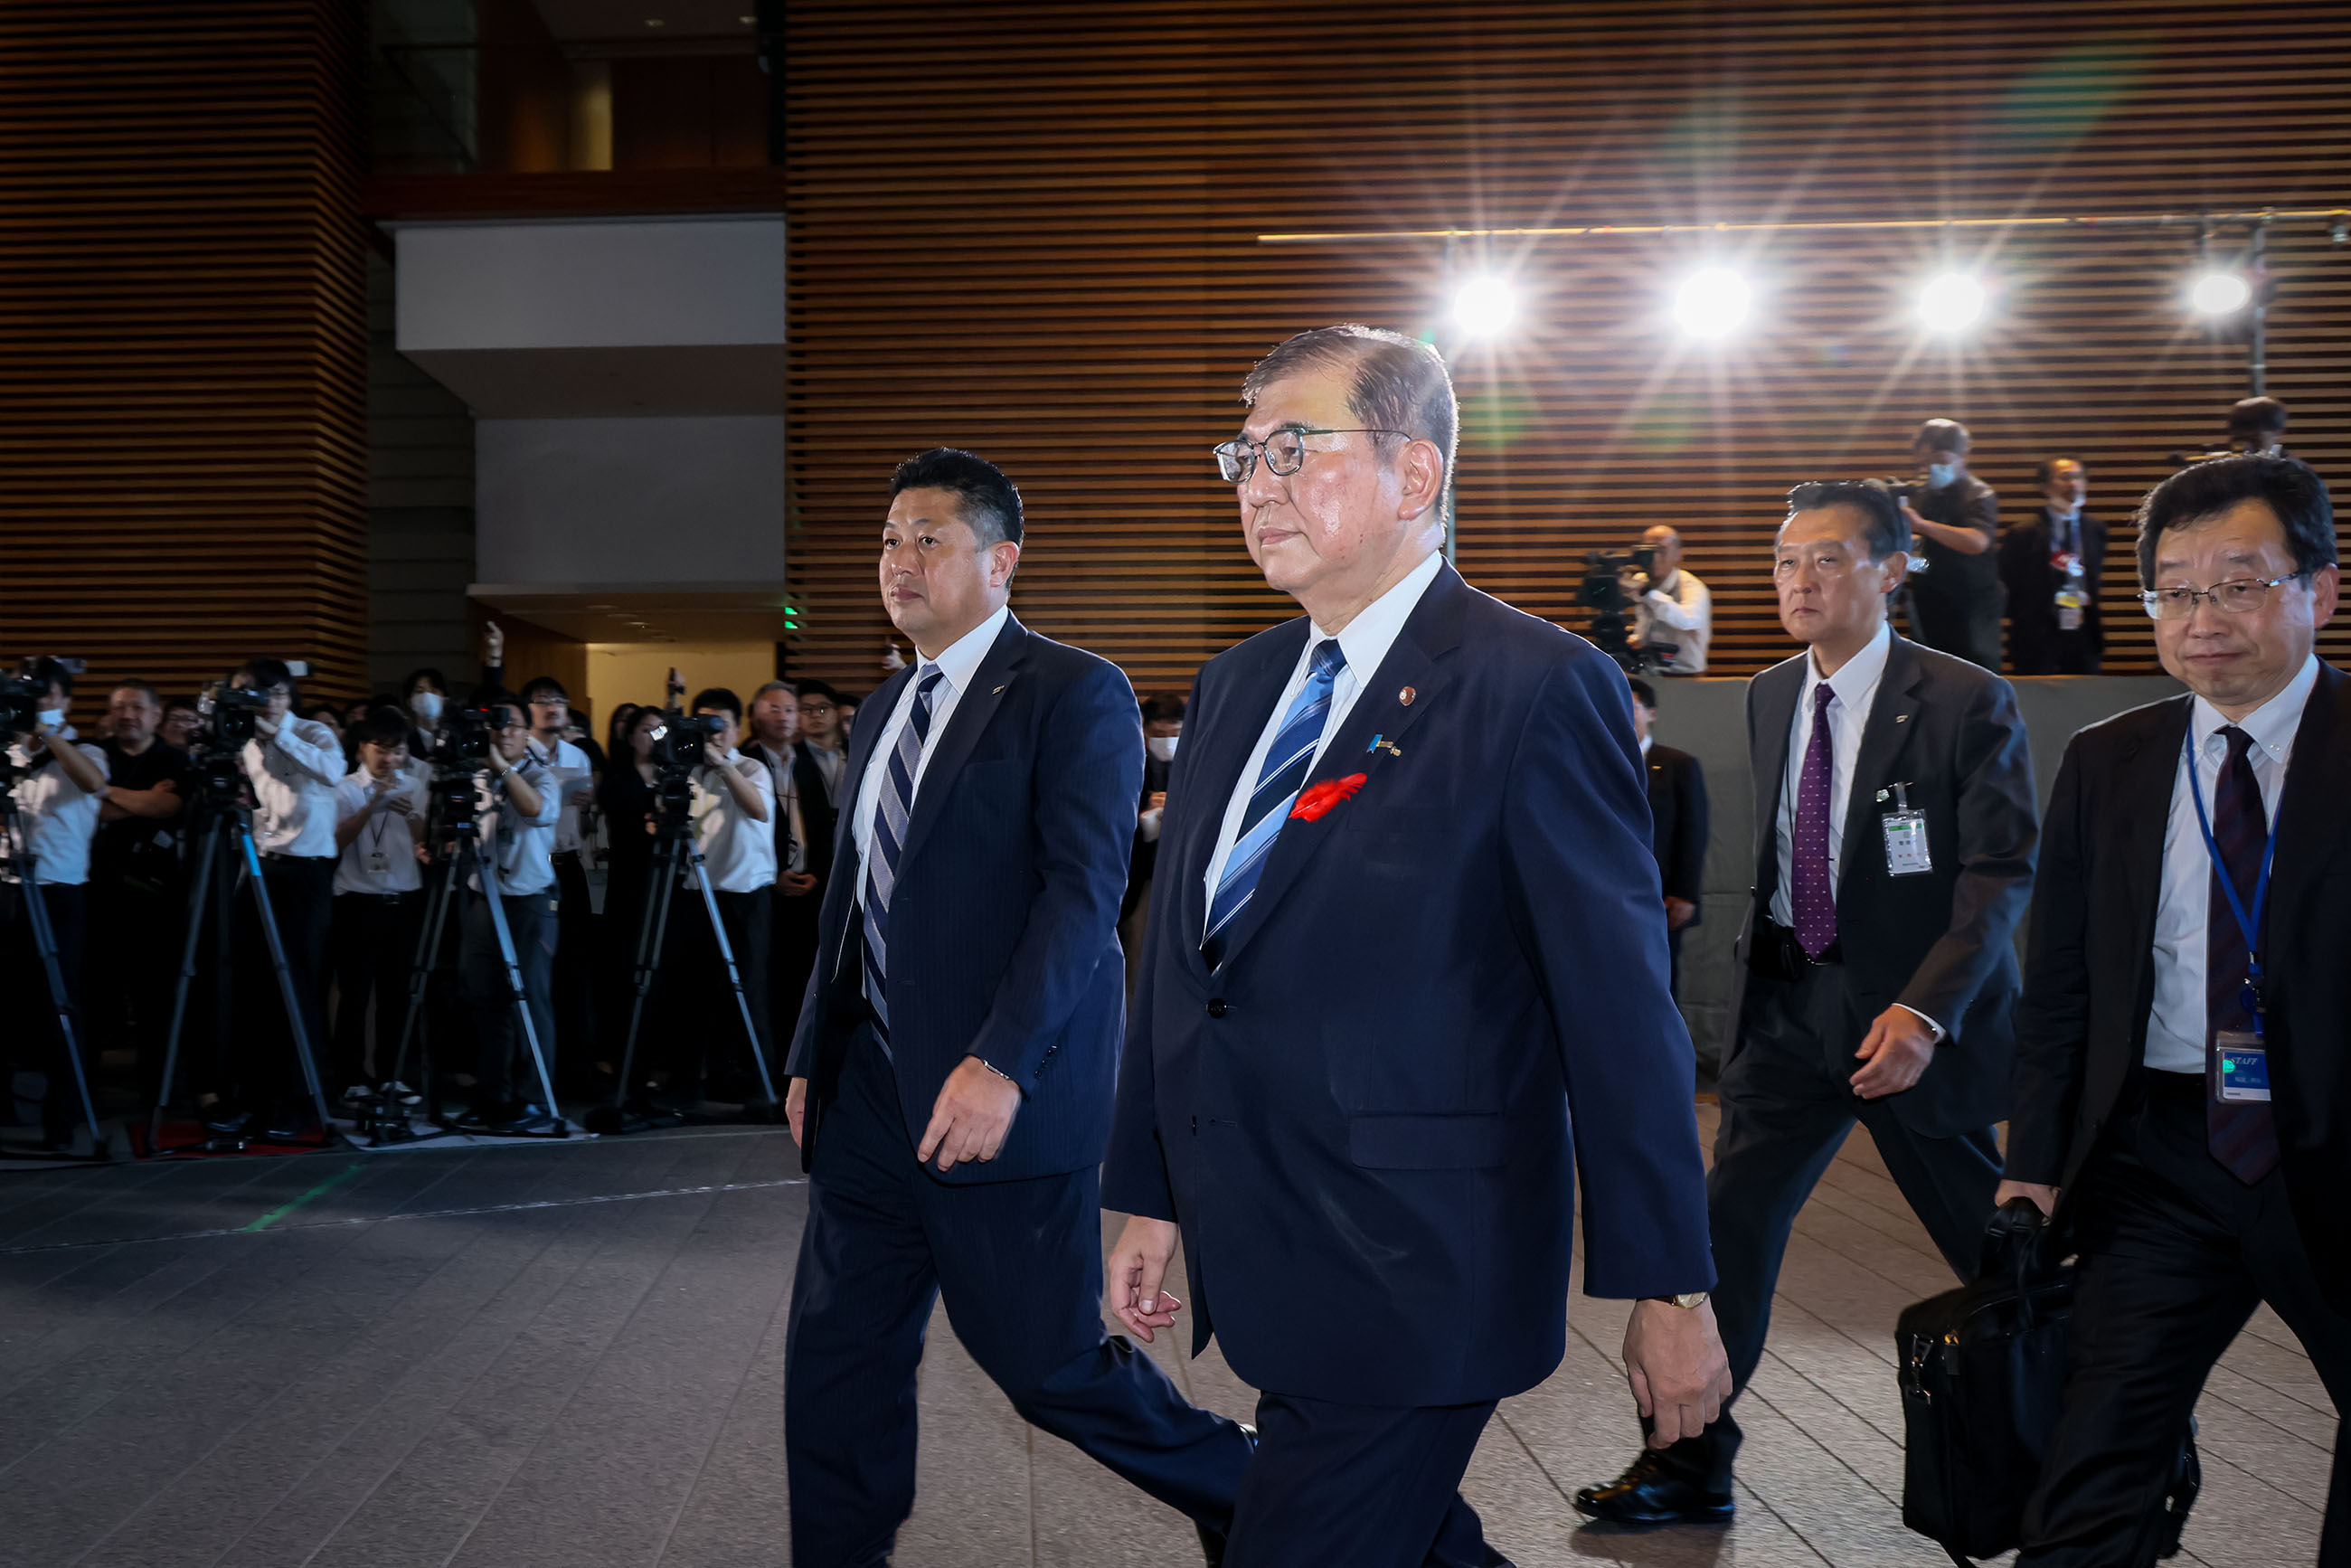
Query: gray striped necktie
[{"x": 891, "y": 813}]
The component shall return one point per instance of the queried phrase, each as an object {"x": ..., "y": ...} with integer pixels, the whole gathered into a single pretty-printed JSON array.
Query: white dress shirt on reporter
[
  {"x": 295, "y": 774},
  {"x": 739, "y": 853}
]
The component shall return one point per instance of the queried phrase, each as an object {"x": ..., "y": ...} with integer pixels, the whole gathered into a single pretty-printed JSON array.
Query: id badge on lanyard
[
  {"x": 2241, "y": 1061},
  {"x": 1908, "y": 852}
]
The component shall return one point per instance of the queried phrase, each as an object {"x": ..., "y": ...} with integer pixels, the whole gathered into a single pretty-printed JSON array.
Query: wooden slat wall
[
  {"x": 182, "y": 337},
  {"x": 1030, "y": 228}
]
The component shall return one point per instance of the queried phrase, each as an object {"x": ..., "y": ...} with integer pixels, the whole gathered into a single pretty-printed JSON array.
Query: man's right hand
[
  {"x": 2044, "y": 1197},
  {"x": 1674, "y": 1361},
  {"x": 1131, "y": 1279},
  {"x": 796, "y": 883},
  {"x": 796, "y": 1109}
]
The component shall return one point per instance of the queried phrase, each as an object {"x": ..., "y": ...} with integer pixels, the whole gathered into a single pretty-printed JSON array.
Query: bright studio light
[
  {"x": 1712, "y": 303},
  {"x": 2219, "y": 293},
  {"x": 1951, "y": 302},
  {"x": 1484, "y": 307}
]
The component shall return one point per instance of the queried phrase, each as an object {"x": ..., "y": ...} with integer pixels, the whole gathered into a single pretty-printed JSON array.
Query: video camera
[
  {"x": 1602, "y": 593},
  {"x": 678, "y": 743},
  {"x": 20, "y": 705},
  {"x": 233, "y": 711}
]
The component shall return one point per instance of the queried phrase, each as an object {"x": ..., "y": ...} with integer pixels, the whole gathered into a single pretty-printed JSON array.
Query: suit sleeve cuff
[{"x": 1939, "y": 1032}]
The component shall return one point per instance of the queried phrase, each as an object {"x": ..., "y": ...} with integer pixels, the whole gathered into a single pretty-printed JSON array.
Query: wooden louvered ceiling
[
  {"x": 182, "y": 337},
  {"x": 1032, "y": 229}
]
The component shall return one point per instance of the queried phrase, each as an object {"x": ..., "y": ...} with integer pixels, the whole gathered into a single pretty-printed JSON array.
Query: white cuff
[{"x": 1939, "y": 1032}]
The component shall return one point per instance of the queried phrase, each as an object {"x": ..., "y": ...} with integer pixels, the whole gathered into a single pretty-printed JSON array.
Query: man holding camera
[
  {"x": 1673, "y": 613},
  {"x": 57, "y": 782},
  {"x": 804, "y": 825},
  {"x": 1955, "y": 593},
  {"x": 732, "y": 808},
  {"x": 574, "y": 777},
  {"x": 294, "y": 765},
  {"x": 379, "y": 900},
  {"x": 517, "y": 809}
]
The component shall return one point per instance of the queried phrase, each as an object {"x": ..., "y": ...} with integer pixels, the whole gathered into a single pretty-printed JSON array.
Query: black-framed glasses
[
  {"x": 2239, "y": 596},
  {"x": 1284, "y": 450}
]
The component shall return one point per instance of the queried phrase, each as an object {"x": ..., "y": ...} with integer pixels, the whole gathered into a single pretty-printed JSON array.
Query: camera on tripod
[
  {"x": 20, "y": 705},
  {"x": 234, "y": 709},
  {"x": 1602, "y": 593},
  {"x": 678, "y": 743}
]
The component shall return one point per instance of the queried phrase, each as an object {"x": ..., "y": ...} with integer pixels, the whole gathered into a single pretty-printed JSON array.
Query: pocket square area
[{"x": 1317, "y": 799}]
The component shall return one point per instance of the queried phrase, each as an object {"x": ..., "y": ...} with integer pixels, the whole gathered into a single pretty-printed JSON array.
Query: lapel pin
[
  {"x": 998, "y": 689},
  {"x": 1405, "y": 696},
  {"x": 1382, "y": 743},
  {"x": 1898, "y": 718}
]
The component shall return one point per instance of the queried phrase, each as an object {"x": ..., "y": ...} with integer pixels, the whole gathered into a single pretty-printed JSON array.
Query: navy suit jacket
[
  {"x": 1004, "y": 919},
  {"x": 1361, "y": 1119}
]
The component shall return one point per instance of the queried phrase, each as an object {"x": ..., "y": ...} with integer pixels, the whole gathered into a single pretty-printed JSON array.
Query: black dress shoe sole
[{"x": 1713, "y": 1513}]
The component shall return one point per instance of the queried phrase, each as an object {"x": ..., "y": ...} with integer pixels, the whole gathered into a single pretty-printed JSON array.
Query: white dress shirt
[
  {"x": 570, "y": 767},
  {"x": 784, "y": 779},
  {"x": 295, "y": 774},
  {"x": 739, "y": 853},
  {"x": 2176, "y": 1020},
  {"x": 1855, "y": 684},
  {"x": 386, "y": 834},
  {"x": 520, "y": 845},
  {"x": 1365, "y": 642},
  {"x": 59, "y": 819},
  {"x": 1686, "y": 610},
  {"x": 958, "y": 665},
  {"x": 831, "y": 763}
]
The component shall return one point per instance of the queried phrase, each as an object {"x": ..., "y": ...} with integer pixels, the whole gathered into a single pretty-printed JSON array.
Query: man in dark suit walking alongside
[
  {"x": 2181, "y": 1062},
  {"x": 2052, "y": 568},
  {"x": 804, "y": 826},
  {"x": 951, "y": 1077},
  {"x": 1678, "y": 811},
  {"x": 1405, "y": 931},
  {"x": 1895, "y": 832}
]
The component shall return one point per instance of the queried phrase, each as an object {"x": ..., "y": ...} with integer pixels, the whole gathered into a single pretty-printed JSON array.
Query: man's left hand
[
  {"x": 974, "y": 1110},
  {"x": 1896, "y": 1051},
  {"x": 1680, "y": 912}
]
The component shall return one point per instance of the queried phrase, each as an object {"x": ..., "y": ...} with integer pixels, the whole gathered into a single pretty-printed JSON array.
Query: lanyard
[{"x": 2250, "y": 924}]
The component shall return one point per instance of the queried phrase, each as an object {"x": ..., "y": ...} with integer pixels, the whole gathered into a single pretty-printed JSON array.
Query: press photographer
[
  {"x": 517, "y": 805},
  {"x": 1673, "y": 613},
  {"x": 380, "y": 818},
  {"x": 732, "y": 811},
  {"x": 55, "y": 782},
  {"x": 1955, "y": 595},
  {"x": 573, "y": 772}
]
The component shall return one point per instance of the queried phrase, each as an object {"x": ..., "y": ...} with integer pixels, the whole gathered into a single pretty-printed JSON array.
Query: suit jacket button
[{"x": 1215, "y": 1007}]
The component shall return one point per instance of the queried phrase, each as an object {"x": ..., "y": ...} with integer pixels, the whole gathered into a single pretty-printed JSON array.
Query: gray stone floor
[{"x": 573, "y": 1354}]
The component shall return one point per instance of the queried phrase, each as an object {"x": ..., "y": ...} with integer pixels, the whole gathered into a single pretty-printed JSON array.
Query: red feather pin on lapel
[{"x": 1317, "y": 799}]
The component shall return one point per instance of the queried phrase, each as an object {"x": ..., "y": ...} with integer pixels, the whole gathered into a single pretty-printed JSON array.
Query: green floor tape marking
[{"x": 283, "y": 1210}]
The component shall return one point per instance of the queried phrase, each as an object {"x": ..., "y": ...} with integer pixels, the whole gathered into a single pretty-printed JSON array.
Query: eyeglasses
[
  {"x": 2239, "y": 596},
  {"x": 1284, "y": 451}
]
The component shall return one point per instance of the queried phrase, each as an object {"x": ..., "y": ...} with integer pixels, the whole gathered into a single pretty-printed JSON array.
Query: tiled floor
[{"x": 573, "y": 1354}]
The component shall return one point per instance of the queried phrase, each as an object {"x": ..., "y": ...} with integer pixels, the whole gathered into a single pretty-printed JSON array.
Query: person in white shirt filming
[
  {"x": 380, "y": 815},
  {"x": 517, "y": 807},
  {"x": 1673, "y": 616},
  {"x": 732, "y": 811}
]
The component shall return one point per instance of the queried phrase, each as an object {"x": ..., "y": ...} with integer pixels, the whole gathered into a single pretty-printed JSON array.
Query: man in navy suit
[
  {"x": 951, "y": 1075},
  {"x": 1405, "y": 927}
]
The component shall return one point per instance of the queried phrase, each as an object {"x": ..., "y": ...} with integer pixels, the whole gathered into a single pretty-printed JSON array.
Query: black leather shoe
[{"x": 1648, "y": 1493}]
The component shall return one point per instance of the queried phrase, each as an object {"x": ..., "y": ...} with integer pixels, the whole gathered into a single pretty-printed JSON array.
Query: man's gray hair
[
  {"x": 775, "y": 686},
  {"x": 1400, "y": 382}
]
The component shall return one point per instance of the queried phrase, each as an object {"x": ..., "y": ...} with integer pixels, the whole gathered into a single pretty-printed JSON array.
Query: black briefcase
[{"x": 1983, "y": 1370}]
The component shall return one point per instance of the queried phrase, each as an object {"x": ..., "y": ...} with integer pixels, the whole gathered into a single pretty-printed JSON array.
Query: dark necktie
[
  {"x": 2242, "y": 1133},
  {"x": 892, "y": 812},
  {"x": 1812, "y": 894}
]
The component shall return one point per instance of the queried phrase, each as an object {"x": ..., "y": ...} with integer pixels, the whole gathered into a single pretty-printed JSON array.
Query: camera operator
[
  {"x": 731, "y": 811},
  {"x": 2051, "y": 567},
  {"x": 804, "y": 827},
  {"x": 823, "y": 736},
  {"x": 518, "y": 809},
  {"x": 574, "y": 775},
  {"x": 184, "y": 722},
  {"x": 1673, "y": 613},
  {"x": 379, "y": 817},
  {"x": 425, "y": 694},
  {"x": 135, "y": 892},
  {"x": 294, "y": 765},
  {"x": 1955, "y": 605},
  {"x": 59, "y": 781}
]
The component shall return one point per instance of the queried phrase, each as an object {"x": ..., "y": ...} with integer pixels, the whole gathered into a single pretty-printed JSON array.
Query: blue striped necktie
[
  {"x": 1287, "y": 762},
  {"x": 891, "y": 813}
]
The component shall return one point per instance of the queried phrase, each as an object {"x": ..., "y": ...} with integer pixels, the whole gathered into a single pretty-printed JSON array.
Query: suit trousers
[
  {"x": 1020, "y": 1263},
  {"x": 374, "y": 945},
  {"x": 1787, "y": 1106},
  {"x": 2176, "y": 1253},
  {"x": 791, "y": 954},
  {"x": 505, "y": 1076},
  {"x": 301, "y": 895},
  {"x": 713, "y": 1051},
  {"x": 574, "y": 976},
  {"x": 1366, "y": 1485}
]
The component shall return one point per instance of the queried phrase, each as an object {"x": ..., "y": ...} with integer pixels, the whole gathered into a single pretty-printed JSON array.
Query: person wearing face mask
[
  {"x": 1163, "y": 726},
  {"x": 1955, "y": 600},
  {"x": 59, "y": 781},
  {"x": 294, "y": 765},
  {"x": 2051, "y": 567},
  {"x": 427, "y": 693}
]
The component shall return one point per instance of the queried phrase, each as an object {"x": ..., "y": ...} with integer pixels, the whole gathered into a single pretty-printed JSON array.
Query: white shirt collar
[
  {"x": 1645, "y": 744},
  {"x": 1858, "y": 674},
  {"x": 2271, "y": 724},
  {"x": 1370, "y": 635},
  {"x": 960, "y": 661}
]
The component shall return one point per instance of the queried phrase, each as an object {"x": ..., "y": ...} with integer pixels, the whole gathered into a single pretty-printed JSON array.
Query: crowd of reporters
[{"x": 353, "y": 816}]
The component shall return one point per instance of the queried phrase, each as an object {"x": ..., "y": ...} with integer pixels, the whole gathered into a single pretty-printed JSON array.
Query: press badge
[
  {"x": 1907, "y": 853},
  {"x": 378, "y": 863},
  {"x": 2243, "y": 1066}
]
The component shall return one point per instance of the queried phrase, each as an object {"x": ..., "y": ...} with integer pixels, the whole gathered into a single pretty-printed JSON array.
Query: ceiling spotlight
[
  {"x": 1712, "y": 303},
  {"x": 1484, "y": 307},
  {"x": 1951, "y": 302},
  {"x": 2219, "y": 293}
]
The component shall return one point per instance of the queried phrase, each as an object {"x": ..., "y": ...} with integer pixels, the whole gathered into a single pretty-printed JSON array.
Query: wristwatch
[{"x": 1689, "y": 1300}]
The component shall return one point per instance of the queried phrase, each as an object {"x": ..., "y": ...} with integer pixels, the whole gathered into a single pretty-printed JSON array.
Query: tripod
[
  {"x": 45, "y": 944},
  {"x": 674, "y": 851},
  {"x": 388, "y": 1120},
  {"x": 224, "y": 845}
]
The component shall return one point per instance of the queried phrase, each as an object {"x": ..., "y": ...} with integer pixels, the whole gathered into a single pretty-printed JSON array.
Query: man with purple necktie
[
  {"x": 2182, "y": 1048},
  {"x": 1894, "y": 835}
]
